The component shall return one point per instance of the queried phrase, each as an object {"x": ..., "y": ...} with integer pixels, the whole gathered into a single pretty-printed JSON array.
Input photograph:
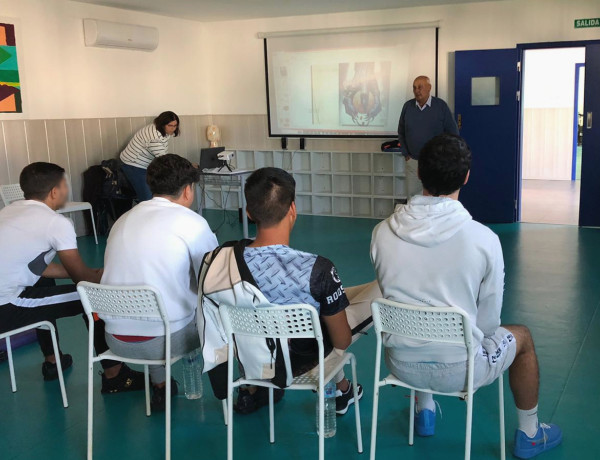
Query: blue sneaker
[
  {"x": 546, "y": 438},
  {"x": 425, "y": 423}
]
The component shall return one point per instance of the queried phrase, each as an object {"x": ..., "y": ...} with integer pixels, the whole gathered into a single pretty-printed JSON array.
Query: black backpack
[{"x": 107, "y": 189}]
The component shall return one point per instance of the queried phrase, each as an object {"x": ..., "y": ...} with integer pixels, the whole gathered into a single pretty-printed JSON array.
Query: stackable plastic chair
[
  {"x": 431, "y": 324},
  {"x": 13, "y": 192},
  {"x": 39, "y": 325},
  {"x": 10, "y": 193},
  {"x": 284, "y": 322},
  {"x": 129, "y": 302}
]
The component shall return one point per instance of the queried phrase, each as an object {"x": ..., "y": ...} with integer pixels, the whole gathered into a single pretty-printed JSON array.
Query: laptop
[{"x": 209, "y": 159}]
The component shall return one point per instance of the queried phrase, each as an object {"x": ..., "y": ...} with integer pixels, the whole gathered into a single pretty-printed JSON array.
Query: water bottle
[
  {"x": 192, "y": 374},
  {"x": 329, "y": 416}
]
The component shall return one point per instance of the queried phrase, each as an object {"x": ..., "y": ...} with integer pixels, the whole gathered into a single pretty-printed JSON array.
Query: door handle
[
  {"x": 459, "y": 122},
  {"x": 588, "y": 123}
]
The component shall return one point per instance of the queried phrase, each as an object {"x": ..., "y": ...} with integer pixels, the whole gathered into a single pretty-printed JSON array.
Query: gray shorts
[{"x": 495, "y": 356}]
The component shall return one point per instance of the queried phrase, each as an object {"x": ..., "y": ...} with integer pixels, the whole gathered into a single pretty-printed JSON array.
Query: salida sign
[{"x": 589, "y": 22}]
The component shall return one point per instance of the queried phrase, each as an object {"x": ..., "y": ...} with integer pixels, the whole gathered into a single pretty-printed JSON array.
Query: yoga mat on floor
[{"x": 18, "y": 340}]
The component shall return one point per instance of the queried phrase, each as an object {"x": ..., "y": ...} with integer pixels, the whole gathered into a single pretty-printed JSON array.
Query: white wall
[
  {"x": 237, "y": 83},
  {"x": 548, "y": 107},
  {"x": 549, "y": 77},
  {"x": 64, "y": 79}
]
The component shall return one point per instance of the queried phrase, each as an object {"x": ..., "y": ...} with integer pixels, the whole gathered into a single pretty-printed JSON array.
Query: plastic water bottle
[
  {"x": 192, "y": 374},
  {"x": 329, "y": 417}
]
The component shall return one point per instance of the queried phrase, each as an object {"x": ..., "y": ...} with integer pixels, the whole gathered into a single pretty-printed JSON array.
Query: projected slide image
[
  {"x": 339, "y": 91},
  {"x": 364, "y": 93},
  {"x": 360, "y": 97}
]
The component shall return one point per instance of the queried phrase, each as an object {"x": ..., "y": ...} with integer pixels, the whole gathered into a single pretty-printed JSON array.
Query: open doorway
[{"x": 552, "y": 113}]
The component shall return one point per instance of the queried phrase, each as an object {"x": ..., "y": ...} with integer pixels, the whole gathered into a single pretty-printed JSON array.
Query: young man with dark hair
[
  {"x": 431, "y": 252},
  {"x": 161, "y": 243},
  {"x": 32, "y": 233},
  {"x": 287, "y": 276}
]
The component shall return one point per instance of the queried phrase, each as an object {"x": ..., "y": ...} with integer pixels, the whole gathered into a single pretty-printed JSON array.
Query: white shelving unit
[{"x": 350, "y": 184}]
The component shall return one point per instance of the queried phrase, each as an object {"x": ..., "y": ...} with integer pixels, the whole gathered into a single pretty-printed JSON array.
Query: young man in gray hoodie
[{"x": 431, "y": 252}]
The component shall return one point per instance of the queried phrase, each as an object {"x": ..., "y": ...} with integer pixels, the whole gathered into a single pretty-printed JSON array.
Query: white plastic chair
[
  {"x": 432, "y": 324},
  {"x": 131, "y": 302},
  {"x": 13, "y": 192},
  {"x": 39, "y": 325},
  {"x": 284, "y": 322}
]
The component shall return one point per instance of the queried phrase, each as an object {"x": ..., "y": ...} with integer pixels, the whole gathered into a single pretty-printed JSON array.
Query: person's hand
[{"x": 407, "y": 157}]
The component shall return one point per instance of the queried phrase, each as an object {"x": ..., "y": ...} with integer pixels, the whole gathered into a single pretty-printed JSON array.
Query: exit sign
[{"x": 589, "y": 22}]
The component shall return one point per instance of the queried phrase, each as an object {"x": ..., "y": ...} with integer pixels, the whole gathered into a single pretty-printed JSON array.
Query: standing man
[{"x": 422, "y": 118}]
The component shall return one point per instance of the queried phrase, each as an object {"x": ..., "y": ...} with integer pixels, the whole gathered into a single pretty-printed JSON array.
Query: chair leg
[
  {"x": 94, "y": 226},
  {"x": 61, "y": 378},
  {"x": 147, "y": 390},
  {"x": 322, "y": 422},
  {"x": 271, "y": 417},
  {"x": 225, "y": 411},
  {"x": 90, "y": 433},
  {"x": 376, "y": 389},
  {"x": 411, "y": 419},
  {"x": 469, "y": 426},
  {"x": 11, "y": 367},
  {"x": 356, "y": 406},
  {"x": 168, "y": 411},
  {"x": 501, "y": 410},
  {"x": 230, "y": 424}
]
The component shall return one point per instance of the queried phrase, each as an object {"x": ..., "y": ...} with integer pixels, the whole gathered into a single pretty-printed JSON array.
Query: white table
[{"x": 225, "y": 178}]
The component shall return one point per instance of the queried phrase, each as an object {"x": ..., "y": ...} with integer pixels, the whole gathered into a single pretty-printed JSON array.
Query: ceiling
[{"x": 223, "y": 10}]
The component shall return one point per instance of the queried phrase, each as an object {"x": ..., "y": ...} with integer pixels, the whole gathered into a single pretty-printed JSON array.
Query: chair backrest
[
  {"x": 276, "y": 322},
  {"x": 130, "y": 302},
  {"x": 11, "y": 193},
  {"x": 431, "y": 324}
]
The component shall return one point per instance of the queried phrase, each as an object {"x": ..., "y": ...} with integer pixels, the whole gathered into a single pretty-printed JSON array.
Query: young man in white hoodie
[{"x": 431, "y": 252}]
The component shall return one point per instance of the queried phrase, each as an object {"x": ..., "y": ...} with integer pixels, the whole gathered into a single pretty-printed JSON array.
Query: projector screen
[{"x": 350, "y": 84}]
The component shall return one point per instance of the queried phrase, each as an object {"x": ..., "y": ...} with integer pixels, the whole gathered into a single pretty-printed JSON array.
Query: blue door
[
  {"x": 487, "y": 112},
  {"x": 589, "y": 205}
]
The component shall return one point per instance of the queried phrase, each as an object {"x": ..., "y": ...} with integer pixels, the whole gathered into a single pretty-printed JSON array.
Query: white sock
[
  {"x": 425, "y": 401},
  {"x": 528, "y": 421}
]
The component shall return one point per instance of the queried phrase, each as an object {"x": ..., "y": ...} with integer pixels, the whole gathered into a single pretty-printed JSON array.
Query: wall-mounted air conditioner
[{"x": 108, "y": 34}]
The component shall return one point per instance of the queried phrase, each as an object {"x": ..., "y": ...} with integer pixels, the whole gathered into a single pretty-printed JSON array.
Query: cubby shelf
[{"x": 351, "y": 184}]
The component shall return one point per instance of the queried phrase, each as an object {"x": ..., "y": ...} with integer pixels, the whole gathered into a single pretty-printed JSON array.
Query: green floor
[{"x": 552, "y": 285}]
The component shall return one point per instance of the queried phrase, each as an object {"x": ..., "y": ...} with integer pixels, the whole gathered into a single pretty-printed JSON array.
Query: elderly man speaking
[{"x": 422, "y": 118}]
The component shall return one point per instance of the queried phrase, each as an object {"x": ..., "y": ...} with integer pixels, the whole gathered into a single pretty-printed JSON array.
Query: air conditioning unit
[{"x": 108, "y": 34}]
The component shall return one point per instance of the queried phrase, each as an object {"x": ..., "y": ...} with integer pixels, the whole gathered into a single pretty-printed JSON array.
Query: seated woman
[{"x": 148, "y": 143}]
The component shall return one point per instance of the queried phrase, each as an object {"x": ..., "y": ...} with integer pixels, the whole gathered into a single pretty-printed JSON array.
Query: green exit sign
[{"x": 589, "y": 22}]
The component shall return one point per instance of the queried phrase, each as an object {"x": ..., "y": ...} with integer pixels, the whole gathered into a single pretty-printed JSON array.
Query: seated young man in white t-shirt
[
  {"x": 431, "y": 252},
  {"x": 32, "y": 233},
  {"x": 161, "y": 243}
]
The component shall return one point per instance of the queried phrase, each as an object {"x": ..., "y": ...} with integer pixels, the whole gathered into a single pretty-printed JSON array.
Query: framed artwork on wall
[{"x": 10, "y": 83}]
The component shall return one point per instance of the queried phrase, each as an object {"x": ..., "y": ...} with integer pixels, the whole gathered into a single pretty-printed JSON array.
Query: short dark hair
[
  {"x": 169, "y": 174},
  {"x": 269, "y": 194},
  {"x": 38, "y": 179},
  {"x": 444, "y": 163},
  {"x": 164, "y": 119}
]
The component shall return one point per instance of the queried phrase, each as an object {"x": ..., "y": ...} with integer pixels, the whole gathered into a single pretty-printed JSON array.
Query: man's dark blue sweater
[{"x": 418, "y": 126}]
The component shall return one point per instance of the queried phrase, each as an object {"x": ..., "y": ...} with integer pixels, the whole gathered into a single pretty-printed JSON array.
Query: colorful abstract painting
[{"x": 10, "y": 85}]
